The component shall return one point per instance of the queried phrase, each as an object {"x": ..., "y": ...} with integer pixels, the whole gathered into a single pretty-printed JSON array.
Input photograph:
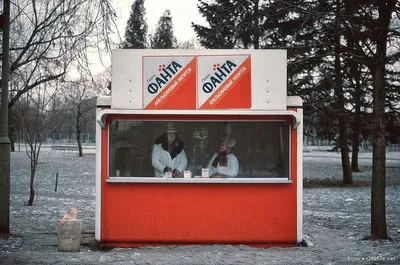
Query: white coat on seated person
[
  {"x": 168, "y": 154},
  {"x": 224, "y": 164}
]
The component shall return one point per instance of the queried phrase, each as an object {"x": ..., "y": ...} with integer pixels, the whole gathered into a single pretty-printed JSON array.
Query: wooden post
[
  {"x": 55, "y": 189},
  {"x": 69, "y": 236}
]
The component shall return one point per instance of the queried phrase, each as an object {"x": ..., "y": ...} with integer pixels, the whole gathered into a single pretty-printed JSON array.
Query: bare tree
[
  {"x": 102, "y": 82},
  {"x": 49, "y": 39},
  {"x": 80, "y": 101},
  {"x": 36, "y": 120}
]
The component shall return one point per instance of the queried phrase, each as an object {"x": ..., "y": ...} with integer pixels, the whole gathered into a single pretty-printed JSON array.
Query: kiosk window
[{"x": 261, "y": 148}]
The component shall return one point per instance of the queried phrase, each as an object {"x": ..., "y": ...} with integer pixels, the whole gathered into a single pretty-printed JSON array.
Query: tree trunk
[
  {"x": 378, "y": 204},
  {"x": 256, "y": 27},
  {"x": 340, "y": 107},
  {"x": 350, "y": 12},
  {"x": 78, "y": 139},
  {"x": 11, "y": 137},
  {"x": 32, "y": 178},
  {"x": 78, "y": 136},
  {"x": 357, "y": 120}
]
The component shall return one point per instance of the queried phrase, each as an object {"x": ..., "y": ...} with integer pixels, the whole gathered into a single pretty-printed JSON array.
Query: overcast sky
[{"x": 183, "y": 13}]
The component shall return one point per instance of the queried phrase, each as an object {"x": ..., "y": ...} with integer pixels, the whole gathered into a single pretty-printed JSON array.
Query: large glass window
[{"x": 261, "y": 148}]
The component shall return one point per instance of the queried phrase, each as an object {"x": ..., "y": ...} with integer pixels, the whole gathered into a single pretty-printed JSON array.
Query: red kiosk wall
[{"x": 134, "y": 214}]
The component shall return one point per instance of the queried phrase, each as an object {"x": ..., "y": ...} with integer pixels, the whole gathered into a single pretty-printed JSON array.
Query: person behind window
[
  {"x": 168, "y": 154},
  {"x": 224, "y": 164}
]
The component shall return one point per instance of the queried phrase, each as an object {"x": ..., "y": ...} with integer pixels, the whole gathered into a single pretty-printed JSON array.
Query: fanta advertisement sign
[
  {"x": 224, "y": 82},
  {"x": 197, "y": 82},
  {"x": 203, "y": 79},
  {"x": 169, "y": 82}
]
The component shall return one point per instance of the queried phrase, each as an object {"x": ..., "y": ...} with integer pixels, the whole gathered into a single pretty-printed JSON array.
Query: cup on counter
[
  {"x": 168, "y": 174},
  {"x": 118, "y": 173},
  {"x": 187, "y": 174},
  {"x": 205, "y": 173}
]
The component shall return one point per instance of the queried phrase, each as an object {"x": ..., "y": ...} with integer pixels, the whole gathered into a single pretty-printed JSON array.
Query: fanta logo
[
  {"x": 166, "y": 74},
  {"x": 220, "y": 74}
]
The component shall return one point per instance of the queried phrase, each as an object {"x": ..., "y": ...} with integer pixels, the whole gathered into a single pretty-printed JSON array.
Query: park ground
[{"x": 336, "y": 218}]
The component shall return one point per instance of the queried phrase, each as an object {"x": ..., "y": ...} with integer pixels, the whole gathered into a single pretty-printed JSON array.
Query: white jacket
[
  {"x": 161, "y": 158},
  {"x": 231, "y": 169}
]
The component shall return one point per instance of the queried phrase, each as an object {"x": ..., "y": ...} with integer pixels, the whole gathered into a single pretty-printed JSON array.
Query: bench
[{"x": 64, "y": 148}]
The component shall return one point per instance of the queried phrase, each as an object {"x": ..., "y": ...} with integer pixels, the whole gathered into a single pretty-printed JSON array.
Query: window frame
[{"x": 238, "y": 116}]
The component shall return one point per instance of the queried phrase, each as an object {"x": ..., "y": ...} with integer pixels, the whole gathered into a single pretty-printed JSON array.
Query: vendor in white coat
[
  {"x": 168, "y": 154},
  {"x": 224, "y": 164}
]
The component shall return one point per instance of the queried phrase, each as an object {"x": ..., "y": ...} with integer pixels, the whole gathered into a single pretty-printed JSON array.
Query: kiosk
[{"x": 203, "y": 94}]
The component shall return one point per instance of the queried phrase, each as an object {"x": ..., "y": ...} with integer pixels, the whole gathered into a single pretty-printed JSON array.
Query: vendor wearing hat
[
  {"x": 168, "y": 154},
  {"x": 224, "y": 164}
]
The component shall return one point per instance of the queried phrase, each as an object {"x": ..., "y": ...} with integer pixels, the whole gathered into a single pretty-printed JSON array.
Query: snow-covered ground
[{"x": 335, "y": 219}]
